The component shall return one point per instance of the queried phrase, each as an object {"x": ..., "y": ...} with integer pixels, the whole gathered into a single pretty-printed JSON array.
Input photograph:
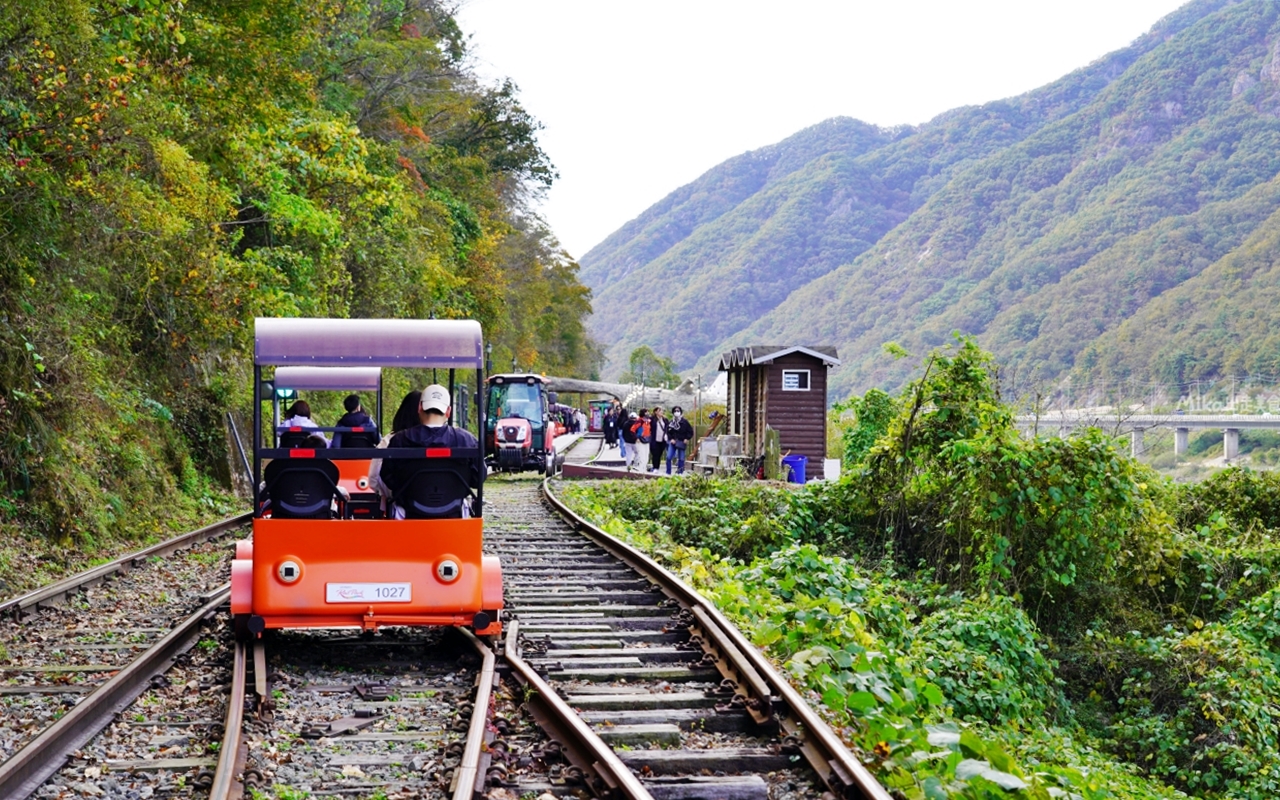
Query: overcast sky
[{"x": 639, "y": 98}]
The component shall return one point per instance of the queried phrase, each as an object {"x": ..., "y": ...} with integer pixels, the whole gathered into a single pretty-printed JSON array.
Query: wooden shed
[{"x": 784, "y": 388}]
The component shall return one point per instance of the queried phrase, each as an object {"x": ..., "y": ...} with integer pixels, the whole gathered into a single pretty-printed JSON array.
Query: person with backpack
[
  {"x": 643, "y": 434},
  {"x": 627, "y": 438},
  {"x": 679, "y": 432}
]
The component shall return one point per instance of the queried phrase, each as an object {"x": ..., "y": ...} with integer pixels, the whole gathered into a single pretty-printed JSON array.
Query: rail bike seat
[
  {"x": 438, "y": 489},
  {"x": 366, "y": 438},
  {"x": 293, "y": 439},
  {"x": 302, "y": 489}
]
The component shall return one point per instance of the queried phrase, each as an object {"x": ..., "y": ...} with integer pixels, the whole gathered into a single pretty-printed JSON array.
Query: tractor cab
[{"x": 518, "y": 431}]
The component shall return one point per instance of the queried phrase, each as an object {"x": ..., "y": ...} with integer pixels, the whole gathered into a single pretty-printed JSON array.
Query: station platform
[{"x": 585, "y": 456}]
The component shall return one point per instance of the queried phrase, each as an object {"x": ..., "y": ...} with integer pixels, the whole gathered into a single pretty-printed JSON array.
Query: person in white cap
[{"x": 434, "y": 431}]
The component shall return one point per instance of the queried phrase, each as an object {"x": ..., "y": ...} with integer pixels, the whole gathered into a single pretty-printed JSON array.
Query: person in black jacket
[
  {"x": 627, "y": 430},
  {"x": 354, "y": 418},
  {"x": 679, "y": 432},
  {"x": 610, "y": 426},
  {"x": 658, "y": 434},
  {"x": 434, "y": 431}
]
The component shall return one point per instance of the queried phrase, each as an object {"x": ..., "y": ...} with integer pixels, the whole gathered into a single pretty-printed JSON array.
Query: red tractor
[{"x": 519, "y": 433}]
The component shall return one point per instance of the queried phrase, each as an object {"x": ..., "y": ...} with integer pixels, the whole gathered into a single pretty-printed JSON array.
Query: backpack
[{"x": 641, "y": 430}]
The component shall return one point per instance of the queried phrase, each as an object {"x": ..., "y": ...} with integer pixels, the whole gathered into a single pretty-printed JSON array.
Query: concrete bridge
[
  {"x": 634, "y": 396},
  {"x": 1137, "y": 424}
]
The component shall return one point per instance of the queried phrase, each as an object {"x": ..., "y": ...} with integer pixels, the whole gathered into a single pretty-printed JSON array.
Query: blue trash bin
[{"x": 794, "y": 468}]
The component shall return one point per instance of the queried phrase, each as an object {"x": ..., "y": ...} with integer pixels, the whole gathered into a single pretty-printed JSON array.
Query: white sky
[{"x": 639, "y": 98}]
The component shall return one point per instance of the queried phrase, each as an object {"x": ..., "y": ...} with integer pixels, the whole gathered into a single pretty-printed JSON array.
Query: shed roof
[
  {"x": 767, "y": 353},
  {"x": 317, "y": 342}
]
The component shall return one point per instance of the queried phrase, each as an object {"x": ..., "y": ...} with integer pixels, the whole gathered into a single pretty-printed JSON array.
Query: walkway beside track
[{"x": 587, "y": 457}]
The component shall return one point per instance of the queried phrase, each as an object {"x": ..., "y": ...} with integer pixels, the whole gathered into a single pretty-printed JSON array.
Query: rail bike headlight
[
  {"x": 447, "y": 570},
  {"x": 363, "y": 483},
  {"x": 289, "y": 571}
]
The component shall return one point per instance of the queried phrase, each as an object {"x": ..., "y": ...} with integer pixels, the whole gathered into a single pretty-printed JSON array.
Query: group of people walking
[{"x": 645, "y": 436}]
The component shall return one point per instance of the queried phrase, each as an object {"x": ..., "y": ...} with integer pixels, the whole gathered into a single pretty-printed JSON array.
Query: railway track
[
  {"x": 646, "y": 689},
  {"x": 638, "y": 688},
  {"x": 74, "y": 654},
  {"x": 400, "y": 713}
]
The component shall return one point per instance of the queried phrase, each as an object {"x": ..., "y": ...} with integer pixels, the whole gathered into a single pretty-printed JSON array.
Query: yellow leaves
[{"x": 187, "y": 184}]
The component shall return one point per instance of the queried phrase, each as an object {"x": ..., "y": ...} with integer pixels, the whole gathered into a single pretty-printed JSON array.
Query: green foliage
[
  {"x": 986, "y": 508},
  {"x": 854, "y": 638},
  {"x": 168, "y": 171},
  {"x": 987, "y": 657},
  {"x": 872, "y": 413},
  {"x": 647, "y": 367},
  {"x": 1196, "y": 709},
  {"x": 1246, "y": 497},
  {"x": 742, "y": 520}
]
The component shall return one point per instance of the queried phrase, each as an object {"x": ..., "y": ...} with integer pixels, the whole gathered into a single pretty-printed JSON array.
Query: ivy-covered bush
[
  {"x": 988, "y": 659},
  {"x": 1246, "y": 497}
]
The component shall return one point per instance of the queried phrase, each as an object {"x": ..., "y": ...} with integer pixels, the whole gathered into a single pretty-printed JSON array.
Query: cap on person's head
[
  {"x": 352, "y": 402},
  {"x": 435, "y": 398},
  {"x": 634, "y": 415}
]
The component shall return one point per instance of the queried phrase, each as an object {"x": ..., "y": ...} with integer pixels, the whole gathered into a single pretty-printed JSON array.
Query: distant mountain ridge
[{"x": 1075, "y": 229}]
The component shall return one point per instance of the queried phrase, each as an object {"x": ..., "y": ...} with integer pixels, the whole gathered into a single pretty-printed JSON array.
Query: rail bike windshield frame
[
  {"x": 324, "y": 351},
  {"x": 331, "y": 379}
]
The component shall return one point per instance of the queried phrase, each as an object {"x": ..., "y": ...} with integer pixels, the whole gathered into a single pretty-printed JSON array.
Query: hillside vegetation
[
  {"x": 986, "y": 615},
  {"x": 169, "y": 171},
  {"x": 1116, "y": 223}
]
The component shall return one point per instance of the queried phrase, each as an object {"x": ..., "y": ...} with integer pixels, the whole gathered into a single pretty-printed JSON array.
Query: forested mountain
[
  {"x": 1116, "y": 222},
  {"x": 168, "y": 171}
]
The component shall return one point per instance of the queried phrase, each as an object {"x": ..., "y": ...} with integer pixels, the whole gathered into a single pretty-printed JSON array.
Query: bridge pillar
[
  {"x": 1180, "y": 441},
  {"x": 1137, "y": 442},
  {"x": 1231, "y": 443}
]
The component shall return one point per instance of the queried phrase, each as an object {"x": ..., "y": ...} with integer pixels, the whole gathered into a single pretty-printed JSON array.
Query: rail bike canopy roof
[
  {"x": 318, "y": 342},
  {"x": 352, "y": 379}
]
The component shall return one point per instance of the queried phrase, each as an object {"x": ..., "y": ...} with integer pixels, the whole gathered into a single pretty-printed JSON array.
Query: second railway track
[{"x": 682, "y": 703}]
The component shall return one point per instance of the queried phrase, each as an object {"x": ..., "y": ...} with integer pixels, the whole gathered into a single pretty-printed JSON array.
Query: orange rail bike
[{"x": 326, "y": 552}]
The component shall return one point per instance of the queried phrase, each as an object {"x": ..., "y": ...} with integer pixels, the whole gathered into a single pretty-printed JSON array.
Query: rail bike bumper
[{"x": 299, "y": 573}]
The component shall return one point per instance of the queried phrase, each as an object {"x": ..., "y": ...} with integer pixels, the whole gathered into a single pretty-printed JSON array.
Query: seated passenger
[
  {"x": 406, "y": 417},
  {"x": 299, "y": 416},
  {"x": 433, "y": 431},
  {"x": 355, "y": 418}
]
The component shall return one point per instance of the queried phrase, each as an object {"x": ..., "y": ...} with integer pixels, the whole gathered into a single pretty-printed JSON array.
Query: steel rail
[
  {"x": 45, "y": 594},
  {"x": 225, "y": 786},
  {"x": 467, "y": 782},
  {"x": 582, "y": 746},
  {"x": 838, "y": 767},
  {"x": 44, "y": 755}
]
